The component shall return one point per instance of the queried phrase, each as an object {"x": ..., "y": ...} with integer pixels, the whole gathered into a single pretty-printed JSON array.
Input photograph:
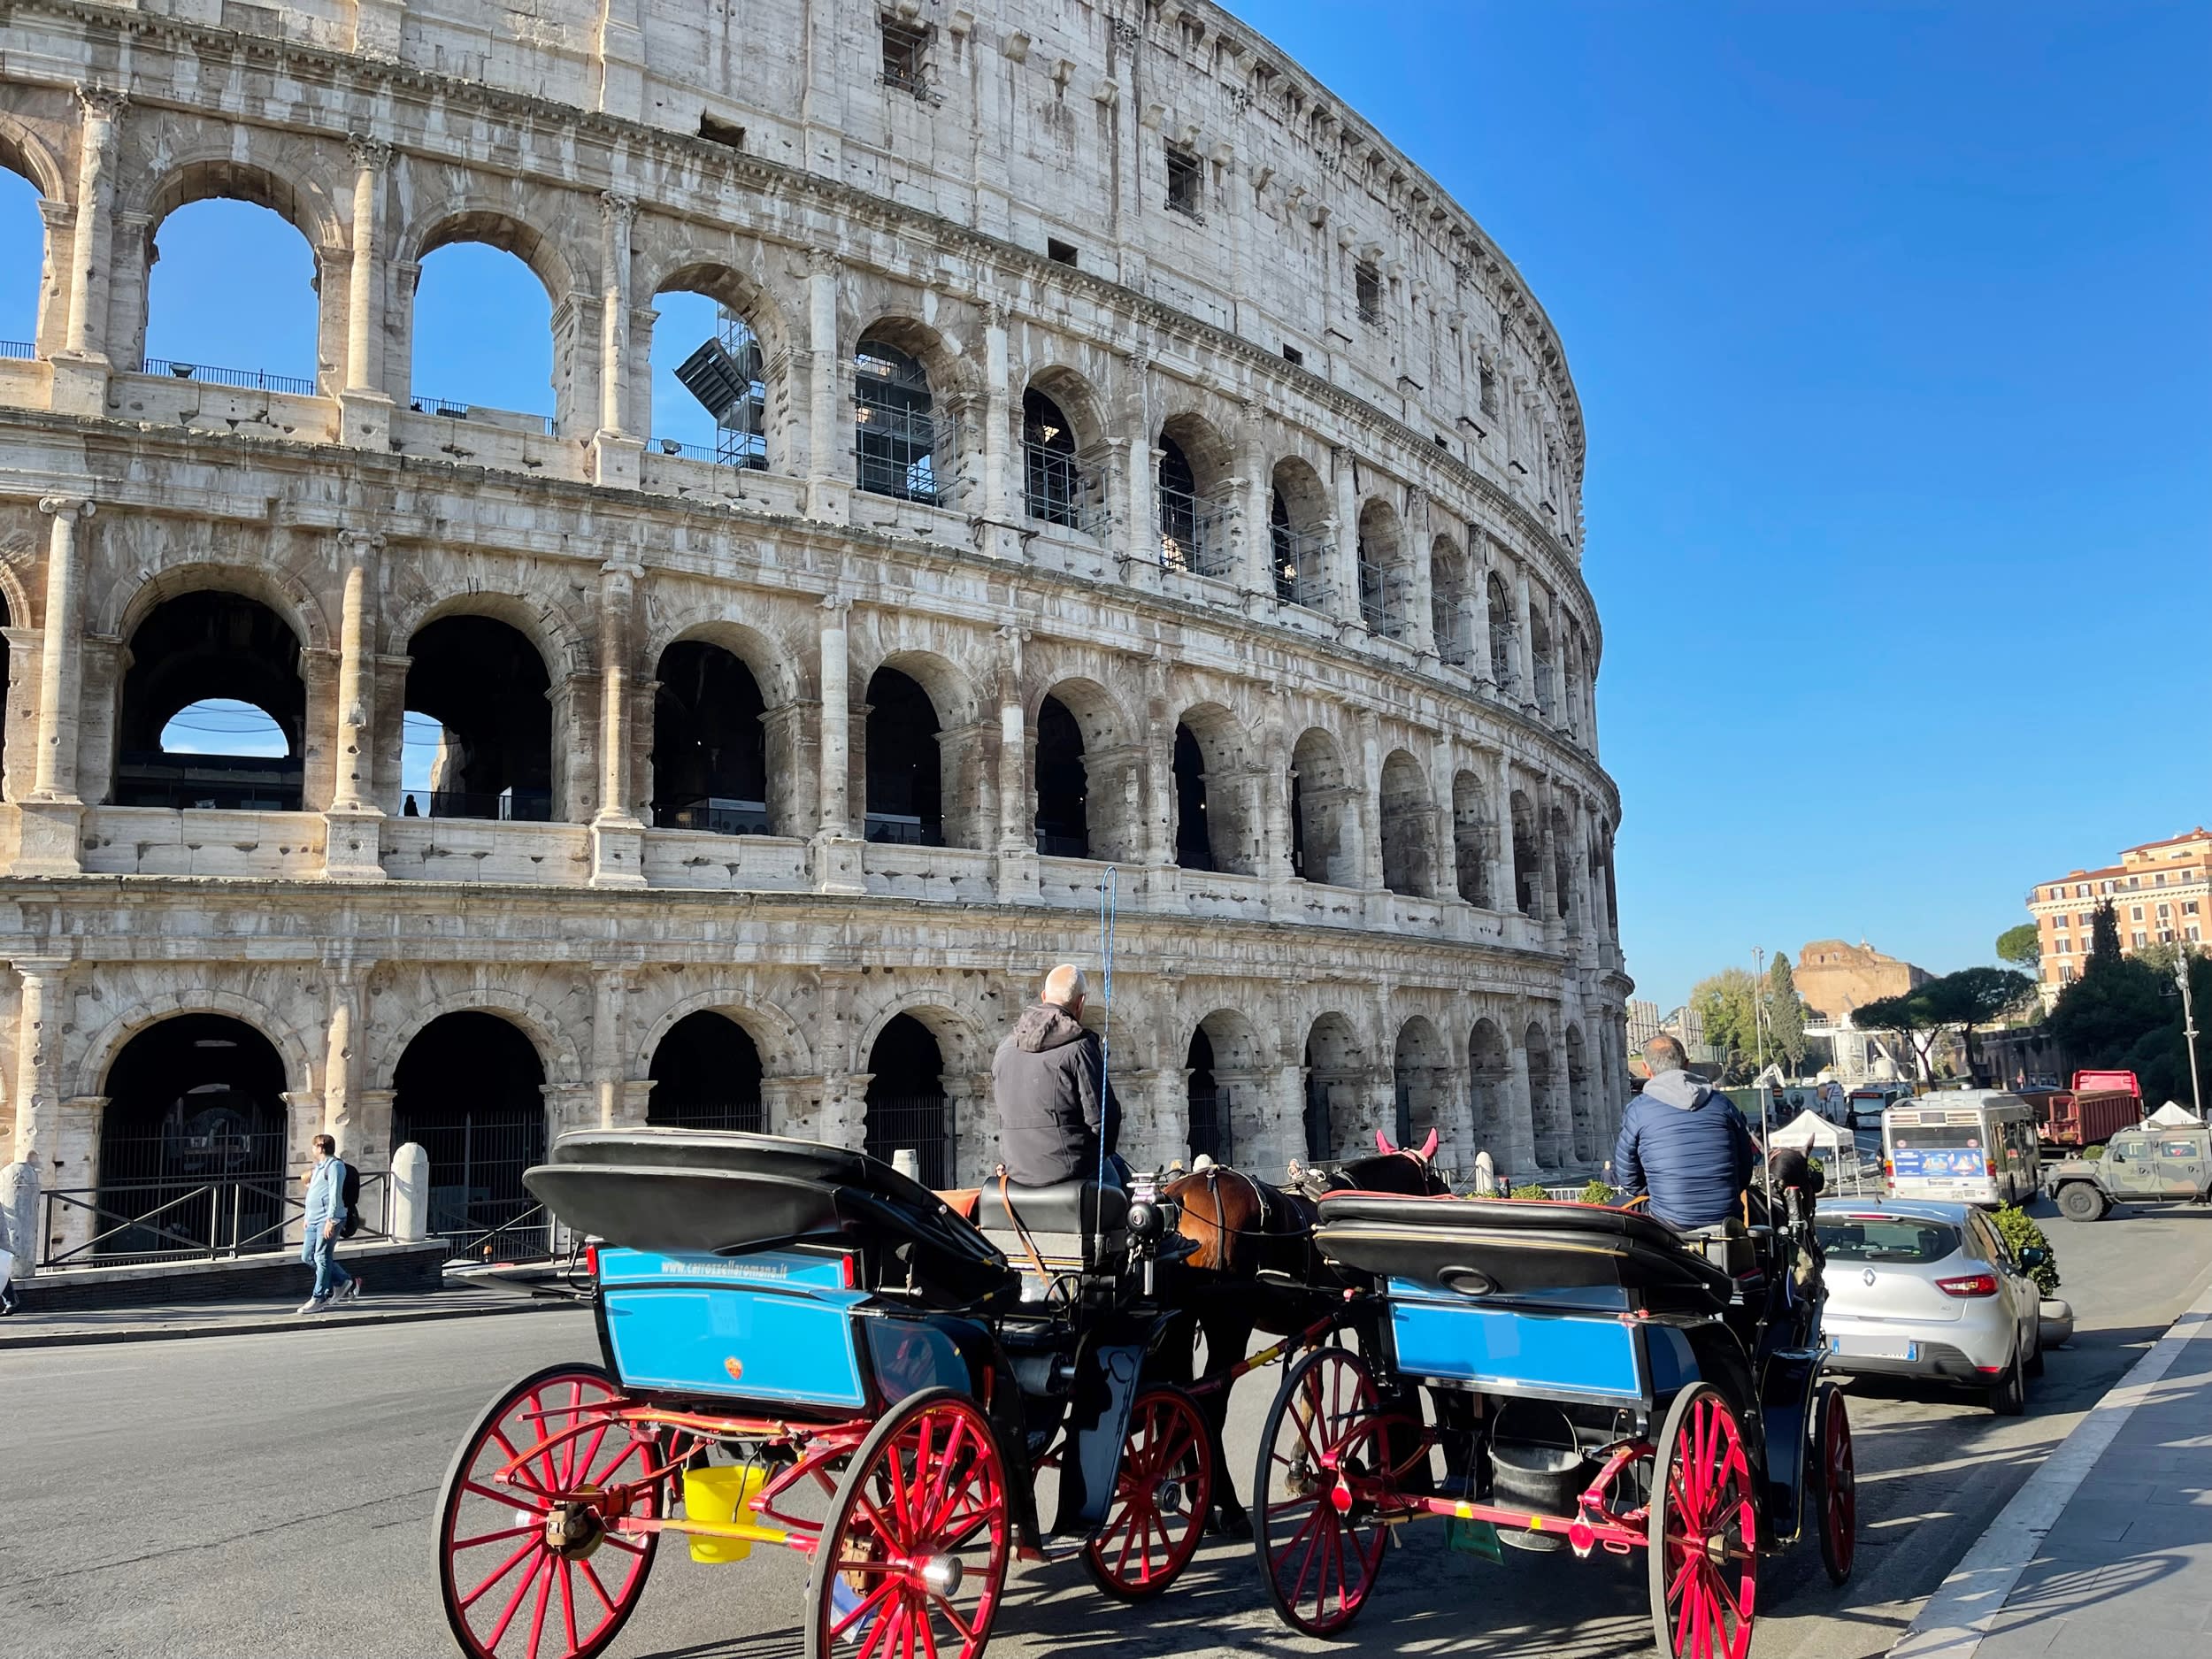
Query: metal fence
[
  {"x": 921, "y": 1124},
  {"x": 21, "y": 349},
  {"x": 453, "y": 411},
  {"x": 478, "y": 1203},
  {"x": 516, "y": 806},
  {"x": 715, "y": 814},
  {"x": 243, "y": 379},
  {"x": 172, "y": 1218}
]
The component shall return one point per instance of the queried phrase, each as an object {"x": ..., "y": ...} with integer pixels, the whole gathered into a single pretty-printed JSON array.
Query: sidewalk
[
  {"x": 29, "y": 1330},
  {"x": 2108, "y": 1550}
]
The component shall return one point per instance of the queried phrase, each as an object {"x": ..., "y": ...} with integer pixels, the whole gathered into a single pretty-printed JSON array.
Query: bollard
[
  {"x": 18, "y": 1216},
  {"x": 908, "y": 1162},
  {"x": 410, "y": 1194}
]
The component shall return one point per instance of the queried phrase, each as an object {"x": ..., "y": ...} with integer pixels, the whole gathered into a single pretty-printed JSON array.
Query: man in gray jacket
[{"x": 1055, "y": 1106}]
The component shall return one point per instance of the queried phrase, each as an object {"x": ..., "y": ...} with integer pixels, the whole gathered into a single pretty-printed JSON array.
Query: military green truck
[{"x": 2150, "y": 1163}]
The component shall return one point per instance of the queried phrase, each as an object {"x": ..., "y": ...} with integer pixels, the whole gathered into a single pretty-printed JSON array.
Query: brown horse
[{"x": 1254, "y": 1266}]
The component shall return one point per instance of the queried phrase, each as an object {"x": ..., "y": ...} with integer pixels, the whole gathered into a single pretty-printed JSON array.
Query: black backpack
[{"x": 350, "y": 1195}]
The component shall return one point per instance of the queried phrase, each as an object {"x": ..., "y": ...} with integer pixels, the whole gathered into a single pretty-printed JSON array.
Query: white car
[{"x": 1924, "y": 1288}]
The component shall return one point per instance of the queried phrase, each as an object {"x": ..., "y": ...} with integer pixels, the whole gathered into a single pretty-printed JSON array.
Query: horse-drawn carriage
[
  {"x": 1594, "y": 1381},
  {"x": 803, "y": 1347}
]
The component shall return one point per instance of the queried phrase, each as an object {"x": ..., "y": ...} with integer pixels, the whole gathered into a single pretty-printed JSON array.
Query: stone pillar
[
  {"x": 615, "y": 449},
  {"x": 827, "y": 487},
  {"x": 1144, "y": 468},
  {"x": 81, "y": 368},
  {"x": 351, "y": 848},
  {"x": 837, "y": 850},
  {"x": 1344, "y": 577},
  {"x": 974, "y": 1128},
  {"x": 340, "y": 1073},
  {"x": 1256, "y": 492},
  {"x": 52, "y": 815},
  {"x": 1159, "y": 768},
  {"x": 1370, "y": 799},
  {"x": 38, "y": 1023},
  {"x": 999, "y": 537},
  {"x": 1486, "y": 667},
  {"x": 618, "y": 837},
  {"x": 1526, "y": 644},
  {"x": 365, "y": 411},
  {"x": 609, "y": 995},
  {"x": 1520, "y": 1112},
  {"x": 789, "y": 1105},
  {"x": 1017, "y": 813},
  {"x": 1420, "y": 623}
]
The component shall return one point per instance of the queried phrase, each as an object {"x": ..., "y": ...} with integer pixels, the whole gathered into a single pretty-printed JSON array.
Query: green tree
[
  {"x": 1907, "y": 1016},
  {"x": 2126, "y": 1014},
  {"x": 1786, "y": 1018},
  {"x": 2104, "y": 937},
  {"x": 1973, "y": 998},
  {"x": 2021, "y": 945},
  {"x": 1727, "y": 1003}
]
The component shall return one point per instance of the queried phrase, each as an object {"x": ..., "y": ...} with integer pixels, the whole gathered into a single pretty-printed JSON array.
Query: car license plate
[{"x": 1874, "y": 1348}]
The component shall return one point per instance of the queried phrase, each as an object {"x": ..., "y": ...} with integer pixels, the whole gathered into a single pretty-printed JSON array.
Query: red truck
[{"x": 2097, "y": 1107}]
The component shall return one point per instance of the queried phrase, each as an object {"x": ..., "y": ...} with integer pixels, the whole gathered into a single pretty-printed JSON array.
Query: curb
[
  {"x": 275, "y": 1322},
  {"x": 1954, "y": 1620}
]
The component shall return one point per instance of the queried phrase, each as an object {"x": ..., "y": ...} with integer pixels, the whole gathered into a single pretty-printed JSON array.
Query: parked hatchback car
[{"x": 1924, "y": 1288}]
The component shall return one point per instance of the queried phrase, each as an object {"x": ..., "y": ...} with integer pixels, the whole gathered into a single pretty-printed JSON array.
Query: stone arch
[
  {"x": 470, "y": 1088},
  {"x": 1066, "y": 455},
  {"x": 303, "y": 1066},
  {"x": 784, "y": 1048},
  {"x": 1191, "y": 471},
  {"x": 122, "y": 610},
  {"x": 1505, "y": 656},
  {"x": 690, "y": 272},
  {"x": 890, "y": 769},
  {"x": 906, "y": 385},
  {"x": 967, "y": 1049},
  {"x": 1106, "y": 770},
  {"x": 26, "y": 152},
  {"x": 1528, "y": 880},
  {"x": 1213, "y": 770},
  {"x": 558, "y": 636},
  {"x": 1473, "y": 838},
  {"x": 1581, "y": 1109},
  {"x": 1324, "y": 811},
  {"x": 1563, "y": 866},
  {"x": 760, "y": 428},
  {"x": 1408, "y": 827},
  {"x": 209, "y": 647},
  {"x": 1543, "y": 666},
  {"x": 1451, "y": 621},
  {"x": 1421, "y": 1082},
  {"x": 500, "y": 712},
  {"x": 1299, "y": 518},
  {"x": 25, "y": 155},
  {"x": 706, "y": 1072},
  {"x": 1384, "y": 584},
  {"x": 560, "y": 270},
  {"x": 495, "y": 226},
  {"x": 1549, "y": 1133},
  {"x": 712, "y": 755},
  {"x": 1212, "y": 457},
  {"x": 1335, "y": 1088},
  {"x": 563, "y": 1063},
  {"x": 1490, "y": 1072}
]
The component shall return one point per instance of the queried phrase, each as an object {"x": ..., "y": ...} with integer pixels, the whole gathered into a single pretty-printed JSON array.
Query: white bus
[{"x": 1970, "y": 1145}]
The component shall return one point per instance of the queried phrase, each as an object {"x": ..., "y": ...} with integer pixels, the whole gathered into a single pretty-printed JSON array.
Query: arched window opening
[
  {"x": 1194, "y": 837},
  {"x": 479, "y": 690},
  {"x": 906, "y": 1107},
  {"x": 1319, "y": 808},
  {"x": 192, "y": 1143},
  {"x": 214, "y": 713},
  {"x": 710, "y": 748},
  {"x": 1471, "y": 845},
  {"x": 1299, "y": 537},
  {"x": 1504, "y": 658},
  {"x": 483, "y": 338},
  {"x": 1571, "y": 678},
  {"x": 710, "y": 382},
  {"x": 1178, "y": 508},
  {"x": 1054, "y": 487},
  {"x": 22, "y": 265},
  {"x": 1333, "y": 1127},
  {"x": 1540, "y": 665},
  {"x": 1491, "y": 1068},
  {"x": 1208, "y": 1112},
  {"x": 1447, "y": 604},
  {"x": 1408, "y": 827},
  {"x": 706, "y": 1075},
  {"x": 1063, "y": 784},
  {"x": 1381, "y": 582},
  {"x": 1580, "y": 1111},
  {"x": 905, "y": 801},
  {"x": 1612, "y": 902},
  {"x": 469, "y": 1090},
  {"x": 1527, "y": 876},
  {"x": 1562, "y": 864},
  {"x": 1420, "y": 1074},
  {"x": 231, "y": 298},
  {"x": 1551, "y": 1140},
  {"x": 7, "y": 620},
  {"x": 895, "y": 448}
]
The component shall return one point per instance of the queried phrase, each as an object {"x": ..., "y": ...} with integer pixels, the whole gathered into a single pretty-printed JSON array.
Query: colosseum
[{"x": 1139, "y": 496}]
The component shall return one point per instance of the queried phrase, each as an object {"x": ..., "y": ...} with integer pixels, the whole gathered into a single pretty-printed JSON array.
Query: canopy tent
[
  {"x": 2173, "y": 1115},
  {"x": 1811, "y": 1133}
]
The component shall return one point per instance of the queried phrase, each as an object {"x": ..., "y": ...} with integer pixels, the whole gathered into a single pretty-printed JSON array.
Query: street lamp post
[{"x": 2182, "y": 960}]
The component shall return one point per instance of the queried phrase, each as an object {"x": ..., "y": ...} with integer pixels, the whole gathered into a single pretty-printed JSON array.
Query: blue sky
[{"x": 1892, "y": 325}]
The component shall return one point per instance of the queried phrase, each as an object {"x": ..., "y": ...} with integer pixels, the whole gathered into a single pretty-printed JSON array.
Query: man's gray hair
[
  {"x": 1663, "y": 1052},
  {"x": 1067, "y": 984}
]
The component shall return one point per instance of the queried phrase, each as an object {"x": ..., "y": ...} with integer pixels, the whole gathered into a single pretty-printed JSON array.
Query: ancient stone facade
[{"x": 1165, "y": 504}]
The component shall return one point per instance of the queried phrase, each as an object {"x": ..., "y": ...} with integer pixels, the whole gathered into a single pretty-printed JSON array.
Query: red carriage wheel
[
  {"x": 913, "y": 1555},
  {"x": 1319, "y": 1537},
  {"x": 1835, "y": 1484},
  {"x": 1161, "y": 1498},
  {"x": 1704, "y": 1531},
  {"x": 530, "y": 1567}
]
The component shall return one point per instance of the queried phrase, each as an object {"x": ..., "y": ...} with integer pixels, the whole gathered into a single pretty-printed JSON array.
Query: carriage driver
[
  {"x": 1054, "y": 1104},
  {"x": 1684, "y": 1143}
]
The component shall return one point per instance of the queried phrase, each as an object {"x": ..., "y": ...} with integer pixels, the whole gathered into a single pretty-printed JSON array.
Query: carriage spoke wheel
[
  {"x": 1704, "y": 1531},
  {"x": 913, "y": 1555},
  {"x": 1161, "y": 1498},
  {"x": 1838, "y": 1490},
  {"x": 1320, "y": 1542},
  {"x": 531, "y": 1567}
]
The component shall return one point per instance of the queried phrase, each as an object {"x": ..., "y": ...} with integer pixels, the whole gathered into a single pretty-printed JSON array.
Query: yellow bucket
[{"x": 721, "y": 1495}]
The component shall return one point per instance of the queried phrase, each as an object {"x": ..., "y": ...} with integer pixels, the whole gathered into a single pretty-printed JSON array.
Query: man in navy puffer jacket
[{"x": 1684, "y": 1143}]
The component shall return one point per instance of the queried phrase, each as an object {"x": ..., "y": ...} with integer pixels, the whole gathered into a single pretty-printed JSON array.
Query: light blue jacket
[{"x": 325, "y": 1201}]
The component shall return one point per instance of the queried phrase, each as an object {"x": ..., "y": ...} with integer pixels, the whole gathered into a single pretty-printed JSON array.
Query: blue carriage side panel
[
  {"x": 1591, "y": 1354},
  {"x": 776, "y": 1326}
]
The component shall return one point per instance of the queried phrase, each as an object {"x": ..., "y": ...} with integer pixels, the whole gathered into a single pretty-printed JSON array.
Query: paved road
[{"x": 268, "y": 1495}]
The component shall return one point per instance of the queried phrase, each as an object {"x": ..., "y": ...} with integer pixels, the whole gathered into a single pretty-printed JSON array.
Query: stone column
[
  {"x": 1143, "y": 534},
  {"x": 365, "y": 412},
  {"x": 1017, "y": 813},
  {"x": 1345, "y": 575},
  {"x": 341, "y": 1113},
  {"x": 1370, "y": 799},
  {"x": 1420, "y": 625},
  {"x": 1488, "y": 668},
  {"x": 828, "y": 487},
  {"x": 610, "y": 1059},
  {"x": 37, "y": 1091},
  {"x": 1525, "y": 645},
  {"x": 615, "y": 449},
  {"x": 1520, "y": 1112},
  {"x": 837, "y": 850},
  {"x": 352, "y": 850},
  {"x": 1256, "y": 491},
  {"x": 52, "y": 815},
  {"x": 999, "y": 536},
  {"x": 618, "y": 837},
  {"x": 1159, "y": 769},
  {"x": 81, "y": 368}
]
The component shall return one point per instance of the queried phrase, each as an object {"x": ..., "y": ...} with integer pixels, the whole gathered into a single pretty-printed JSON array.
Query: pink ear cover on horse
[
  {"x": 1428, "y": 1147},
  {"x": 1383, "y": 1146}
]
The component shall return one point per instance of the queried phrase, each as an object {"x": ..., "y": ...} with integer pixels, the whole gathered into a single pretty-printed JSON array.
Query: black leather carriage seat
[
  {"x": 721, "y": 1192},
  {"x": 1505, "y": 1247},
  {"x": 1077, "y": 1226}
]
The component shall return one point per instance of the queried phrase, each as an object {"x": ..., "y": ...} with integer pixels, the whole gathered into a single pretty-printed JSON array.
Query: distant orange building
[
  {"x": 2161, "y": 891},
  {"x": 1834, "y": 977}
]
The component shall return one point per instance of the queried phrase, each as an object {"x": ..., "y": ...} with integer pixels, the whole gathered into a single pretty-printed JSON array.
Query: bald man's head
[{"x": 1066, "y": 987}]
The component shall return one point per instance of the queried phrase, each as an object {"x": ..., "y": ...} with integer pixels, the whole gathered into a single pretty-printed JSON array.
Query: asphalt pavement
[{"x": 270, "y": 1494}]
